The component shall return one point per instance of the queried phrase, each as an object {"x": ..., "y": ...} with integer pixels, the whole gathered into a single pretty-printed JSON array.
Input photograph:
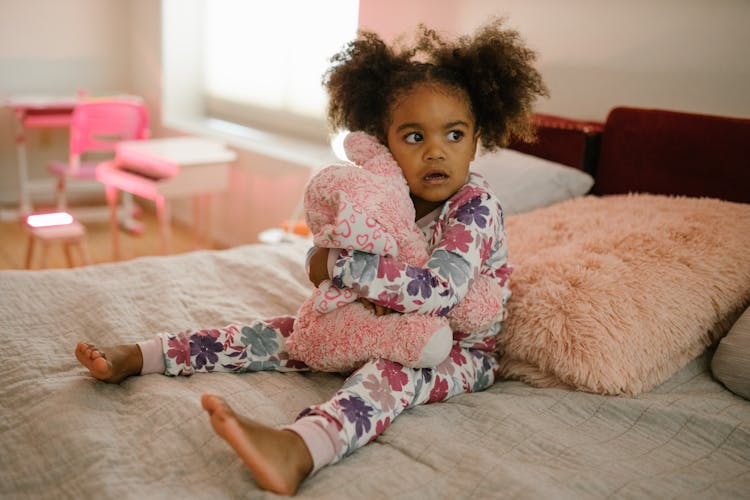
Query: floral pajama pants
[{"x": 371, "y": 397}]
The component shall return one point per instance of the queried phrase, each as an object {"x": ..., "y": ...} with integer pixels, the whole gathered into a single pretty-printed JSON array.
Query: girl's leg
[
  {"x": 381, "y": 390},
  {"x": 369, "y": 401},
  {"x": 278, "y": 459},
  {"x": 257, "y": 346},
  {"x": 253, "y": 347},
  {"x": 483, "y": 341}
]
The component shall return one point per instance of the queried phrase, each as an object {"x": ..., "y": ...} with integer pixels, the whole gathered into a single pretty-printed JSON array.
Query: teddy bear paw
[{"x": 361, "y": 147}]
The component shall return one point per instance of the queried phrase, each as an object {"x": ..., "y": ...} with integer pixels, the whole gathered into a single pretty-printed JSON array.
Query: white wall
[
  {"x": 690, "y": 55},
  {"x": 57, "y": 47}
]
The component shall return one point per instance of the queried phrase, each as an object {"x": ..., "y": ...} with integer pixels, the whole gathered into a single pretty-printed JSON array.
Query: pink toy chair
[
  {"x": 49, "y": 228},
  {"x": 95, "y": 127}
]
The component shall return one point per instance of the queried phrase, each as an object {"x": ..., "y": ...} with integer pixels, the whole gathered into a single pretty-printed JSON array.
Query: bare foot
[
  {"x": 278, "y": 459},
  {"x": 110, "y": 364}
]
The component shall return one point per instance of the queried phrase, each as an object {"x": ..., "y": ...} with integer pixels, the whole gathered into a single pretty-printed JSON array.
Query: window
[{"x": 260, "y": 64}]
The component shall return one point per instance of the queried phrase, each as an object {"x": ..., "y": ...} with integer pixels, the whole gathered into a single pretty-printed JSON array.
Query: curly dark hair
[{"x": 493, "y": 69}]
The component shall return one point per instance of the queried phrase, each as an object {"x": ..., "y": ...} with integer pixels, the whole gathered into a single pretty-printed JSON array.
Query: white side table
[{"x": 158, "y": 169}]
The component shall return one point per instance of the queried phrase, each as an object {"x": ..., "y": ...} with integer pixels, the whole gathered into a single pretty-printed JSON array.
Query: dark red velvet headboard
[
  {"x": 571, "y": 142},
  {"x": 652, "y": 151},
  {"x": 667, "y": 152}
]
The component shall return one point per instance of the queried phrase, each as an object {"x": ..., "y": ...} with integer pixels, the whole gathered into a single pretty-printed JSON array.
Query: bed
[{"x": 607, "y": 387}]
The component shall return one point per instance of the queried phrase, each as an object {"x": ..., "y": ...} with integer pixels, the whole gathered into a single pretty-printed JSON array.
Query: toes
[
  {"x": 84, "y": 352},
  {"x": 210, "y": 402},
  {"x": 216, "y": 406},
  {"x": 89, "y": 351},
  {"x": 82, "y": 348},
  {"x": 100, "y": 368}
]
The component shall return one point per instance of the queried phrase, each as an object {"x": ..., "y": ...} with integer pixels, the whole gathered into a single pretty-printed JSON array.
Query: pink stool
[{"x": 57, "y": 227}]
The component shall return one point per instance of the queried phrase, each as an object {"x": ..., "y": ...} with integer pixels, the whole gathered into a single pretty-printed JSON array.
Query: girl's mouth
[{"x": 435, "y": 177}]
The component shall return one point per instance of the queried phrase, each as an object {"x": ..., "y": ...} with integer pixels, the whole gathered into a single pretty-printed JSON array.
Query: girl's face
[{"x": 432, "y": 136}]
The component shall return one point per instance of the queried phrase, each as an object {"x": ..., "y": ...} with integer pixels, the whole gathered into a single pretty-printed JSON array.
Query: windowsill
[{"x": 312, "y": 155}]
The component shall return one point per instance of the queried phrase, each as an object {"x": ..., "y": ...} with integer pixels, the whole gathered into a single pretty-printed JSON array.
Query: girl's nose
[{"x": 434, "y": 152}]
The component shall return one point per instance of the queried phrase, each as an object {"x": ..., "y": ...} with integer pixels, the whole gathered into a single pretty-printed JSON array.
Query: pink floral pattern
[{"x": 458, "y": 239}]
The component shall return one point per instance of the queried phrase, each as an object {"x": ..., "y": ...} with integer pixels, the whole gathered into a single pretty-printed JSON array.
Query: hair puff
[{"x": 493, "y": 68}]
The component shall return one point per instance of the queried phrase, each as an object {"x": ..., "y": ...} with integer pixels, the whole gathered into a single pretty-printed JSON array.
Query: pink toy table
[
  {"x": 35, "y": 112},
  {"x": 158, "y": 169}
]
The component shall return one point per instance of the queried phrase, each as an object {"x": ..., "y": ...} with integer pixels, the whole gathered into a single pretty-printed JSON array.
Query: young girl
[{"x": 430, "y": 105}]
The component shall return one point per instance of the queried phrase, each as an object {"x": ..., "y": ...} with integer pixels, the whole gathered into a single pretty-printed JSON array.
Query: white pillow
[
  {"x": 523, "y": 182},
  {"x": 731, "y": 361}
]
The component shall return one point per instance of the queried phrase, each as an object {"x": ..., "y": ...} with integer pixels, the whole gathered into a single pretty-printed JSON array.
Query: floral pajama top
[{"x": 466, "y": 238}]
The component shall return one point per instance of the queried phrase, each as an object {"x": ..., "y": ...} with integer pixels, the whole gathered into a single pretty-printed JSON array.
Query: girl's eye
[
  {"x": 455, "y": 135},
  {"x": 413, "y": 138}
]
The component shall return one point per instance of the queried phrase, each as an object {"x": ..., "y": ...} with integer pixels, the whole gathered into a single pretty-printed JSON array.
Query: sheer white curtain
[{"x": 263, "y": 61}]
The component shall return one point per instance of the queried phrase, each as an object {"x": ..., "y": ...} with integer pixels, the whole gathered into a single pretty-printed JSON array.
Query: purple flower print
[
  {"x": 358, "y": 413},
  {"x": 422, "y": 282},
  {"x": 338, "y": 282},
  {"x": 473, "y": 212},
  {"x": 204, "y": 348}
]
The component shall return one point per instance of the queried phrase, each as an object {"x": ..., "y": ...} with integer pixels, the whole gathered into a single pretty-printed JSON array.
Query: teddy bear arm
[
  {"x": 349, "y": 336},
  {"x": 480, "y": 308}
]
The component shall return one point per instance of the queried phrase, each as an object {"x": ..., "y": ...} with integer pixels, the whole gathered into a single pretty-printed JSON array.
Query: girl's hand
[
  {"x": 319, "y": 266},
  {"x": 319, "y": 273},
  {"x": 376, "y": 309}
]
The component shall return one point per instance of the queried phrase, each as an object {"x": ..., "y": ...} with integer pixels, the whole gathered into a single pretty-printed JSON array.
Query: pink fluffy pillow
[{"x": 614, "y": 294}]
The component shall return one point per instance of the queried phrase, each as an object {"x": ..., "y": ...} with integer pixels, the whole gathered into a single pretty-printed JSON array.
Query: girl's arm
[
  {"x": 317, "y": 271},
  {"x": 473, "y": 233},
  {"x": 317, "y": 265}
]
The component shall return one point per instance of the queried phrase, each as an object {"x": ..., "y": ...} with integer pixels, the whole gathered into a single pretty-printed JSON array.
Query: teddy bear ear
[{"x": 360, "y": 147}]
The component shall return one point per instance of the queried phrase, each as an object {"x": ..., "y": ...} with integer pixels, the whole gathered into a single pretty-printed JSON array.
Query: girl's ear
[{"x": 475, "y": 142}]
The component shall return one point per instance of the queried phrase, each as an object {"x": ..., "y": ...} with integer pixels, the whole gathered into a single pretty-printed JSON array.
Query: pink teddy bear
[{"x": 368, "y": 208}]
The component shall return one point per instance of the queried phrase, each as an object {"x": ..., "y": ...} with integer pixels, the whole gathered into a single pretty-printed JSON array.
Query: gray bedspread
[{"x": 64, "y": 435}]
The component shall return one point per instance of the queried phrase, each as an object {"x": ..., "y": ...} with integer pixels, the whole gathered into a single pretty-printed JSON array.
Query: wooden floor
[{"x": 14, "y": 241}]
